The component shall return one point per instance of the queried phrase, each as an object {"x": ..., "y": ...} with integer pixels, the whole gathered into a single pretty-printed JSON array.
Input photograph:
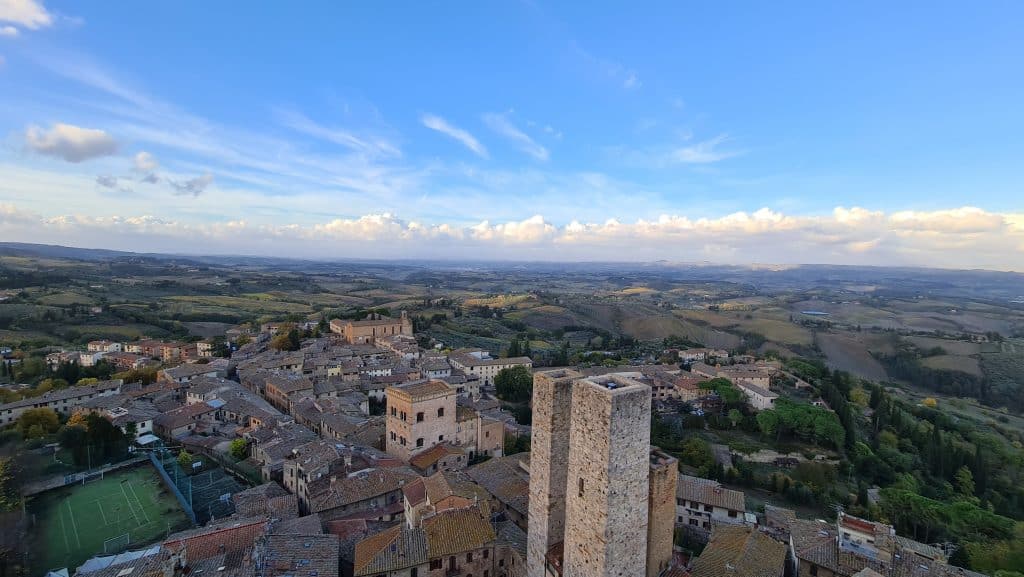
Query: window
[
  {"x": 487, "y": 433},
  {"x": 487, "y": 553},
  {"x": 732, "y": 514},
  {"x": 394, "y": 412},
  {"x": 440, "y": 438},
  {"x": 435, "y": 564},
  {"x": 414, "y": 573},
  {"x": 440, "y": 412},
  {"x": 393, "y": 436},
  {"x": 487, "y": 573},
  {"x": 814, "y": 569},
  {"x": 501, "y": 562},
  {"x": 581, "y": 487},
  {"x": 419, "y": 417},
  {"x": 402, "y": 441},
  {"x": 419, "y": 442},
  {"x": 709, "y": 508},
  {"x": 693, "y": 522}
]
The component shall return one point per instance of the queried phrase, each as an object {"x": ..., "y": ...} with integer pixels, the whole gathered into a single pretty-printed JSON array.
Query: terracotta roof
[
  {"x": 734, "y": 551},
  {"x": 456, "y": 531},
  {"x": 709, "y": 492},
  {"x": 359, "y": 486},
  {"x": 505, "y": 480},
  {"x": 434, "y": 454},
  {"x": 308, "y": 525},
  {"x": 422, "y": 390},
  {"x": 392, "y": 549},
  {"x": 227, "y": 536},
  {"x": 305, "y": 555}
]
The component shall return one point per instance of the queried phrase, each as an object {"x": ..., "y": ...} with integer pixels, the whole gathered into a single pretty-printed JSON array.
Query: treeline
[{"x": 905, "y": 365}]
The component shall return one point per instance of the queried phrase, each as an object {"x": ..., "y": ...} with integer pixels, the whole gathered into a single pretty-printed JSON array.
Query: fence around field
[
  {"x": 57, "y": 481},
  {"x": 204, "y": 494},
  {"x": 186, "y": 503}
]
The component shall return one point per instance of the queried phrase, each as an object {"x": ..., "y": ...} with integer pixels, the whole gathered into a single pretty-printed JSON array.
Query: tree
[
  {"x": 735, "y": 417},
  {"x": 185, "y": 459},
  {"x": 513, "y": 348},
  {"x": 38, "y": 421},
  {"x": 287, "y": 341},
  {"x": 964, "y": 481},
  {"x": 514, "y": 385},
  {"x": 239, "y": 449}
]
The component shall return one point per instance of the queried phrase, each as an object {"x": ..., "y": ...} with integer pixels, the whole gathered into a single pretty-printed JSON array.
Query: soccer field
[{"x": 125, "y": 509}]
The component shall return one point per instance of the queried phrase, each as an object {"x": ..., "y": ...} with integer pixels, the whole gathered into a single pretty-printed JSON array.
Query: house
[
  {"x": 441, "y": 457},
  {"x": 420, "y": 414},
  {"x": 181, "y": 422},
  {"x": 284, "y": 389},
  {"x": 436, "y": 493},
  {"x": 375, "y": 326},
  {"x": 290, "y": 555},
  {"x": 372, "y": 494},
  {"x": 740, "y": 551},
  {"x": 758, "y": 398},
  {"x": 63, "y": 401},
  {"x": 186, "y": 372},
  {"x": 702, "y": 504},
  {"x": 480, "y": 363},
  {"x": 455, "y": 542},
  {"x": 507, "y": 481},
  {"x": 103, "y": 347},
  {"x": 310, "y": 462}
]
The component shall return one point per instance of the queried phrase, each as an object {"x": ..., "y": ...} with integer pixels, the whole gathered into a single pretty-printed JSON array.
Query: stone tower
[
  {"x": 609, "y": 461},
  {"x": 549, "y": 460},
  {"x": 661, "y": 510}
]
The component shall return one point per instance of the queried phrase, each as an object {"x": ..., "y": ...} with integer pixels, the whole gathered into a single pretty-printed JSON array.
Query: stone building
[
  {"x": 419, "y": 415},
  {"x": 549, "y": 458},
  {"x": 609, "y": 448},
  {"x": 590, "y": 473},
  {"x": 372, "y": 328},
  {"x": 481, "y": 364},
  {"x": 661, "y": 509}
]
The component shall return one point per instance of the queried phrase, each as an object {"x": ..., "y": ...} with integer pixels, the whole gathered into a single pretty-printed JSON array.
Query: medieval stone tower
[
  {"x": 549, "y": 459},
  {"x": 591, "y": 452},
  {"x": 661, "y": 510}
]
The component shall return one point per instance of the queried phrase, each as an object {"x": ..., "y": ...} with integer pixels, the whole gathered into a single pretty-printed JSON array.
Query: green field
[{"x": 72, "y": 523}]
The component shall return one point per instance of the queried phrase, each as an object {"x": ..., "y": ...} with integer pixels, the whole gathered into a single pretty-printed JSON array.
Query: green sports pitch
[{"x": 123, "y": 510}]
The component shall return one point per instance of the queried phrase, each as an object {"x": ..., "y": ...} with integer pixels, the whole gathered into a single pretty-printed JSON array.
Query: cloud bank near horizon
[{"x": 964, "y": 237}]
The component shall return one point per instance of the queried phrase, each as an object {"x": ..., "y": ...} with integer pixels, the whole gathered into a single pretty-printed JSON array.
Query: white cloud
[
  {"x": 441, "y": 125},
  {"x": 28, "y": 13},
  {"x": 365, "y": 144},
  {"x": 145, "y": 162},
  {"x": 71, "y": 143},
  {"x": 500, "y": 124},
  {"x": 8, "y": 31},
  {"x": 703, "y": 152},
  {"x": 764, "y": 236}
]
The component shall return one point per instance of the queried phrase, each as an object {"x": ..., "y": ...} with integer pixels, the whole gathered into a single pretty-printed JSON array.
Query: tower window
[{"x": 581, "y": 487}]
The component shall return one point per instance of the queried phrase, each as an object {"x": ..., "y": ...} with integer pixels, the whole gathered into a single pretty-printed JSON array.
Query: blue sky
[{"x": 519, "y": 129}]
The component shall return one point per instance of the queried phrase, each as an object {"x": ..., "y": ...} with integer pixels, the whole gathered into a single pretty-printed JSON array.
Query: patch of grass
[
  {"x": 968, "y": 365},
  {"x": 73, "y": 522}
]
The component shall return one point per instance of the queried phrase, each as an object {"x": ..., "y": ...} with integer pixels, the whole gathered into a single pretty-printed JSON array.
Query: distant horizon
[
  {"x": 518, "y": 131},
  {"x": 765, "y": 266}
]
